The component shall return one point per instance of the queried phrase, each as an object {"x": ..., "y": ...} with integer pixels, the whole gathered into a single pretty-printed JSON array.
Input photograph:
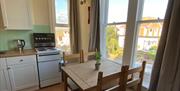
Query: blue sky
[
  {"x": 61, "y": 5},
  {"x": 61, "y": 11}
]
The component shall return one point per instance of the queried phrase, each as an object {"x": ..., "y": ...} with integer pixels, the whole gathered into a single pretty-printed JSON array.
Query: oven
[
  {"x": 48, "y": 59},
  {"x": 49, "y": 69}
]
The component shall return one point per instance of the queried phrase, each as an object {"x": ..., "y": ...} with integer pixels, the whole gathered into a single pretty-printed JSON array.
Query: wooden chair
[
  {"x": 138, "y": 79},
  {"x": 78, "y": 57},
  {"x": 90, "y": 55},
  {"x": 122, "y": 77},
  {"x": 69, "y": 60}
]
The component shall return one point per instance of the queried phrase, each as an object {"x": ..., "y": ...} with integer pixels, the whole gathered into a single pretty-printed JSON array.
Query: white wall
[
  {"x": 84, "y": 26},
  {"x": 40, "y": 12}
]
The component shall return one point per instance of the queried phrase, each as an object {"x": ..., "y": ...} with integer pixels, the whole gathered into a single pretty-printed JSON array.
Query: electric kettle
[{"x": 20, "y": 44}]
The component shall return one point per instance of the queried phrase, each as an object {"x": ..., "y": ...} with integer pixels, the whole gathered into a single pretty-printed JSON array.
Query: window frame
[
  {"x": 134, "y": 19},
  {"x": 52, "y": 18},
  {"x": 118, "y": 23},
  {"x": 133, "y": 62},
  {"x": 115, "y": 24},
  {"x": 52, "y": 15},
  {"x": 138, "y": 23},
  {"x": 63, "y": 25}
]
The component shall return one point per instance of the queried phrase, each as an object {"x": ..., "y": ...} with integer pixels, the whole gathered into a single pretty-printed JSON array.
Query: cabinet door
[
  {"x": 23, "y": 76},
  {"x": 4, "y": 78},
  {"x": 16, "y": 14}
]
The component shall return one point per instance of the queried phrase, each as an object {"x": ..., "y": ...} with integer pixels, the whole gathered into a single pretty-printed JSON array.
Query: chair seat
[{"x": 72, "y": 85}]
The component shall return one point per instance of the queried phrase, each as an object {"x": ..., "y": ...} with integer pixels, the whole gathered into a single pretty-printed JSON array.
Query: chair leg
[
  {"x": 139, "y": 87},
  {"x": 62, "y": 75}
]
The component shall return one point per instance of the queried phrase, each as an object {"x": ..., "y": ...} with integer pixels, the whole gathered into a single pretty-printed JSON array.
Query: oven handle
[
  {"x": 49, "y": 61},
  {"x": 41, "y": 55}
]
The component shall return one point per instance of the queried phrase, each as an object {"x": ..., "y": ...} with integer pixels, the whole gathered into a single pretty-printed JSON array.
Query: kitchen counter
[{"x": 17, "y": 53}]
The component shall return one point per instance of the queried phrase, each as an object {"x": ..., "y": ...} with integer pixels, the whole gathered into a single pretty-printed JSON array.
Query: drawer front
[
  {"x": 48, "y": 58},
  {"x": 21, "y": 60}
]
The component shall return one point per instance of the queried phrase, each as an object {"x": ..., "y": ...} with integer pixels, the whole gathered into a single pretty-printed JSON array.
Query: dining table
[{"x": 85, "y": 76}]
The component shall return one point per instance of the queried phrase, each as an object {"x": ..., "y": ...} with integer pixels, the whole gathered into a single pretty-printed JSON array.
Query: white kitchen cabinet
[
  {"x": 4, "y": 78},
  {"x": 16, "y": 14},
  {"x": 23, "y": 72}
]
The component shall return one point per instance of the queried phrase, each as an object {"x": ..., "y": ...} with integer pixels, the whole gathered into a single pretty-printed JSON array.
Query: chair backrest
[
  {"x": 122, "y": 76},
  {"x": 139, "y": 79},
  {"x": 90, "y": 55},
  {"x": 70, "y": 57}
]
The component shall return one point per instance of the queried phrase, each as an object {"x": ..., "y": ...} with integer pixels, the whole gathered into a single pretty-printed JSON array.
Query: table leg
[
  {"x": 62, "y": 76},
  {"x": 65, "y": 81}
]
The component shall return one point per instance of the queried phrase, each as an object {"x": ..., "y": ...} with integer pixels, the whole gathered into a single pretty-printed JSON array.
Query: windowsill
[{"x": 146, "y": 83}]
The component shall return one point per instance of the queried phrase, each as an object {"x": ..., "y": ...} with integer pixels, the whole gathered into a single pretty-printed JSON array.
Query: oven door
[{"x": 49, "y": 72}]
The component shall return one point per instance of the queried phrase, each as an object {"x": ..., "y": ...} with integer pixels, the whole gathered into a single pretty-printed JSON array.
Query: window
[
  {"x": 141, "y": 25},
  {"x": 61, "y": 12},
  {"x": 149, "y": 28},
  {"x": 62, "y": 25},
  {"x": 115, "y": 31}
]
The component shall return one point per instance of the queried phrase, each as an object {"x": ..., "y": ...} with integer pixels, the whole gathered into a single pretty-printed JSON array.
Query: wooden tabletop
[{"x": 85, "y": 75}]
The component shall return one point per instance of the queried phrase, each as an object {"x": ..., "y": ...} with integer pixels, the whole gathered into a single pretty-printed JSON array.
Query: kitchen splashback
[{"x": 7, "y": 37}]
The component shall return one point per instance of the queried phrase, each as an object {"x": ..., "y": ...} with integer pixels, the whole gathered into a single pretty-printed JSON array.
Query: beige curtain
[
  {"x": 74, "y": 25},
  {"x": 166, "y": 70},
  {"x": 94, "y": 41}
]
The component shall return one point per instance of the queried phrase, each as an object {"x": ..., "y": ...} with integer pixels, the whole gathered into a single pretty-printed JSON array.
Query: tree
[{"x": 112, "y": 44}]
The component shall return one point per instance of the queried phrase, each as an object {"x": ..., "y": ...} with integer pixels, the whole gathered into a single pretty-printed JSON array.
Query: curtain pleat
[
  {"x": 94, "y": 41},
  {"x": 74, "y": 24}
]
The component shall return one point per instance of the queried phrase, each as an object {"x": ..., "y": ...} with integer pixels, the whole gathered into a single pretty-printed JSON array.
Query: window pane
[
  {"x": 115, "y": 35},
  {"x": 117, "y": 11},
  {"x": 61, "y": 9},
  {"x": 148, "y": 40},
  {"x": 154, "y": 9},
  {"x": 63, "y": 39}
]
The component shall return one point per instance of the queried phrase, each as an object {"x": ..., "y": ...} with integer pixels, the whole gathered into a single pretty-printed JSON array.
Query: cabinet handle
[
  {"x": 8, "y": 68},
  {"x": 21, "y": 60}
]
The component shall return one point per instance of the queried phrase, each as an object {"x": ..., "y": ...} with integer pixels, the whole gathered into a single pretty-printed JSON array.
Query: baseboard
[{"x": 30, "y": 89}]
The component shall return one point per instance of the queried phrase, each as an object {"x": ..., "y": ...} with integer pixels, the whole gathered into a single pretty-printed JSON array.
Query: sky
[
  {"x": 152, "y": 8},
  {"x": 118, "y": 10}
]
